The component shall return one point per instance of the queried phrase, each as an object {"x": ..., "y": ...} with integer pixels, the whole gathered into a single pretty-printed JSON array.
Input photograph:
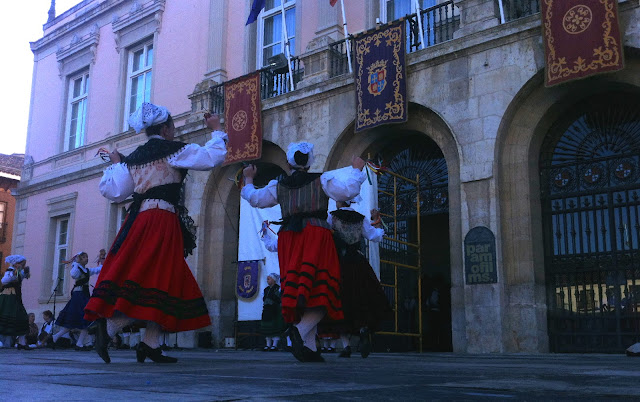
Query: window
[
  {"x": 270, "y": 33},
  {"x": 392, "y": 10},
  {"x": 3, "y": 223},
  {"x": 138, "y": 78},
  {"x": 76, "y": 111},
  {"x": 61, "y": 253}
]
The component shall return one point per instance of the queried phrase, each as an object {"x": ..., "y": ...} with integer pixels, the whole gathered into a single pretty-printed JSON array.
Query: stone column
[
  {"x": 476, "y": 16},
  {"x": 217, "y": 47}
]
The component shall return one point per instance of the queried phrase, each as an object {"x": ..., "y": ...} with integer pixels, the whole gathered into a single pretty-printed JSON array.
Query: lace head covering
[
  {"x": 303, "y": 147},
  {"x": 354, "y": 200},
  {"x": 275, "y": 277},
  {"x": 148, "y": 115},
  {"x": 14, "y": 259}
]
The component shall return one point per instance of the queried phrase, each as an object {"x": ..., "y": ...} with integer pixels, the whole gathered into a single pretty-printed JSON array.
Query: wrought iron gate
[
  {"x": 590, "y": 185},
  {"x": 402, "y": 201}
]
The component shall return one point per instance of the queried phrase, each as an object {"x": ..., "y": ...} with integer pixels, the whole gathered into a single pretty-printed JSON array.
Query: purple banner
[
  {"x": 381, "y": 94},
  {"x": 247, "y": 285}
]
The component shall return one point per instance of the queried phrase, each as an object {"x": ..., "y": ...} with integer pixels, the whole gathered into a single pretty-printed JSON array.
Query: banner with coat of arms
[
  {"x": 581, "y": 38},
  {"x": 381, "y": 95},
  {"x": 247, "y": 282},
  {"x": 243, "y": 119}
]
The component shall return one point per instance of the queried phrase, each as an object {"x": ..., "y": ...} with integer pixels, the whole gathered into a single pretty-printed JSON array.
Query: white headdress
[
  {"x": 14, "y": 259},
  {"x": 303, "y": 147},
  {"x": 355, "y": 199},
  {"x": 148, "y": 115},
  {"x": 275, "y": 277}
]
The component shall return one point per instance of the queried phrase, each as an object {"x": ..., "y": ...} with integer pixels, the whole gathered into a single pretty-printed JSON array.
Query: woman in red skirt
[
  {"x": 145, "y": 276},
  {"x": 309, "y": 266}
]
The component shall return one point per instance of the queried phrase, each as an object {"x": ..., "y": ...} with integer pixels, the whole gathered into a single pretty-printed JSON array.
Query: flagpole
[
  {"x": 420, "y": 33},
  {"x": 502, "y": 20},
  {"x": 287, "y": 48},
  {"x": 346, "y": 35}
]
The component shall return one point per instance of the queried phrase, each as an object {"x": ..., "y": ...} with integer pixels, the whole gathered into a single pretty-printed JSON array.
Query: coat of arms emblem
[{"x": 377, "y": 77}]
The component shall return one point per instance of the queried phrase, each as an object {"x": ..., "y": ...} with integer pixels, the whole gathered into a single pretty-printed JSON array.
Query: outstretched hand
[
  {"x": 357, "y": 162},
  {"x": 213, "y": 121},
  {"x": 249, "y": 173}
]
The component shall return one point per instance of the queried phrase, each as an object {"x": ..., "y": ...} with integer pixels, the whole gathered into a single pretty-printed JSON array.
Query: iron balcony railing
[
  {"x": 272, "y": 83},
  {"x": 438, "y": 25},
  {"x": 515, "y": 9}
]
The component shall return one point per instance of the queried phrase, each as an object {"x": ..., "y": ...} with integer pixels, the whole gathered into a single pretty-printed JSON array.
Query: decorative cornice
[
  {"x": 136, "y": 14},
  {"x": 79, "y": 44},
  {"x": 83, "y": 16}
]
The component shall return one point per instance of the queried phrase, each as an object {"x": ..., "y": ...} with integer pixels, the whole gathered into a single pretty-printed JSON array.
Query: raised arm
[
  {"x": 116, "y": 183},
  {"x": 212, "y": 154},
  {"x": 259, "y": 198},
  {"x": 344, "y": 184}
]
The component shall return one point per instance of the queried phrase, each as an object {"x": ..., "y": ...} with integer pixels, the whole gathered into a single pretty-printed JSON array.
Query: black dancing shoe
[
  {"x": 273, "y": 349},
  {"x": 311, "y": 356},
  {"x": 297, "y": 345},
  {"x": 24, "y": 347},
  {"x": 265, "y": 349},
  {"x": 143, "y": 351},
  {"x": 365, "y": 342},
  {"x": 346, "y": 352},
  {"x": 102, "y": 340}
]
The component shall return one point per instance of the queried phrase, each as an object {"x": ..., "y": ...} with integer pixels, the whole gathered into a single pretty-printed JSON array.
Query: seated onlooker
[
  {"x": 32, "y": 335},
  {"x": 45, "y": 337}
]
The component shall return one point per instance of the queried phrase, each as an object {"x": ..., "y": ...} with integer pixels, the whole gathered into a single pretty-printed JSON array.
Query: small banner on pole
[
  {"x": 581, "y": 38},
  {"x": 243, "y": 120},
  {"x": 381, "y": 94},
  {"x": 247, "y": 284}
]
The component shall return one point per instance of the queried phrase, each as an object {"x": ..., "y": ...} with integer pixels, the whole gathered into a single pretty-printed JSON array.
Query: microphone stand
[{"x": 53, "y": 295}]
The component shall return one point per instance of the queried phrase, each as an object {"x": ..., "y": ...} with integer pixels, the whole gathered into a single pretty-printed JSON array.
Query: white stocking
[
  {"x": 116, "y": 323},
  {"x": 345, "y": 340},
  {"x": 152, "y": 335},
  {"x": 268, "y": 341},
  {"x": 59, "y": 334},
  {"x": 308, "y": 326},
  {"x": 81, "y": 337}
]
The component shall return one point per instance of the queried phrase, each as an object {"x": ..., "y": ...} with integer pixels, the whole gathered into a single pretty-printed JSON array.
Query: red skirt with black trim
[
  {"x": 148, "y": 278},
  {"x": 309, "y": 272}
]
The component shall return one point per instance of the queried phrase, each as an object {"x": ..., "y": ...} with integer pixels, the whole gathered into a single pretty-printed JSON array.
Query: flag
[
  {"x": 581, "y": 38},
  {"x": 381, "y": 94},
  {"x": 333, "y": 2},
  {"x": 242, "y": 115},
  {"x": 247, "y": 280},
  {"x": 257, "y": 6}
]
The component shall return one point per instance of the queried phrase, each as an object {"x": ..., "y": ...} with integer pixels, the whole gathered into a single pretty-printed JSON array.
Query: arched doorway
[
  {"x": 415, "y": 267},
  {"x": 590, "y": 201}
]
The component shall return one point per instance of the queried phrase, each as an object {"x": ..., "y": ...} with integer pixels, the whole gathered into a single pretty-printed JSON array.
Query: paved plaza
[{"x": 230, "y": 375}]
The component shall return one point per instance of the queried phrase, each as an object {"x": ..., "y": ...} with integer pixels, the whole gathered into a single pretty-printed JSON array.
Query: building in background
[
  {"x": 541, "y": 183},
  {"x": 10, "y": 170}
]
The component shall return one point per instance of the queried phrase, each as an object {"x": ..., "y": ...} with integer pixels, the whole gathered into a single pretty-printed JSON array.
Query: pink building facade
[{"x": 479, "y": 121}]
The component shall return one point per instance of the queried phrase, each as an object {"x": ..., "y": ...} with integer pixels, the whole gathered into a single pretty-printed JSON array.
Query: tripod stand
[{"x": 53, "y": 295}]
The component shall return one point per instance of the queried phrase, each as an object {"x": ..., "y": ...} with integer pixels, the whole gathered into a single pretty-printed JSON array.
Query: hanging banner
[
  {"x": 381, "y": 94},
  {"x": 581, "y": 38},
  {"x": 242, "y": 116},
  {"x": 247, "y": 283}
]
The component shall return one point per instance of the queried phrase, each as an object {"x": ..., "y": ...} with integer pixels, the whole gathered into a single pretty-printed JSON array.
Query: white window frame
[
  {"x": 81, "y": 119},
  {"x": 383, "y": 9},
  {"x": 131, "y": 75},
  {"x": 61, "y": 253},
  {"x": 264, "y": 14}
]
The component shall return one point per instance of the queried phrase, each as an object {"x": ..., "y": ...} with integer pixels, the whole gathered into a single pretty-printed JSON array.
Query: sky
[{"x": 20, "y": 23}]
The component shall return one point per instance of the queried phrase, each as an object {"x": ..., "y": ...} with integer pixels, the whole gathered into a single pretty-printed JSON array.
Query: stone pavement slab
[{"x": 229, "y": 375}]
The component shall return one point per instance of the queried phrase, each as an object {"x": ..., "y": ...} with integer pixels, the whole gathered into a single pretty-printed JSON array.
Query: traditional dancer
[
  {"x": 272, "y": 324},
  {"x": 13, "y": 317},
  {"x": 145, "y": 276},
  {"x": 72, "y": 315},
  {"x": 363, "y": 300},
  {"x": 308, "y": 261}
]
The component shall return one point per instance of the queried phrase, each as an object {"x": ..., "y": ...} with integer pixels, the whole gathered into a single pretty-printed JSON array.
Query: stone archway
[
  {"x": 524, "y": 126},
  {"x": 218, "y": 241},
  {"x": 426, "y": 124}
]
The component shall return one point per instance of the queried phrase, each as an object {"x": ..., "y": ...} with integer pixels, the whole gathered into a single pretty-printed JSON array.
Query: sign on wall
[{"x": 480, "y": 257}]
